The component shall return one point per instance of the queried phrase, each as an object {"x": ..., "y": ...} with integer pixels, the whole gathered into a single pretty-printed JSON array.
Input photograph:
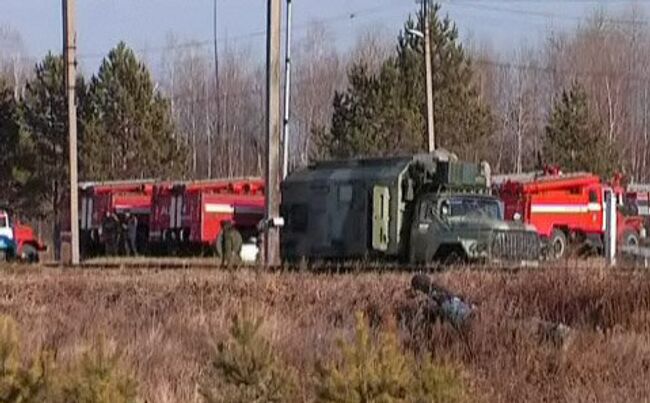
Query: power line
[
  {"x": 353, "y": 15},
  {"x": 475, "y": 4},
  {"x": 567, "y": 71}
]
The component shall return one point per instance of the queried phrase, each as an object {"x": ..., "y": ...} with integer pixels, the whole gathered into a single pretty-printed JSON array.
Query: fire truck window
[
  {"x": 3, "y": 221},
  {"x": 298, "y": 217},
  {"x": 593, "y": 196}
]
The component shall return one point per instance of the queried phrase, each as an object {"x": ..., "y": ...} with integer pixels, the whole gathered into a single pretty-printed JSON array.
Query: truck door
[
  {"x": 427, "y": 225},
  {"x": 605, "y": 195},
  {"x": 176, "y": 211},
  {"x": 380, "y": 218},
  {"x": 5, "y": 226},
  {"x": 86, "y": 213}
]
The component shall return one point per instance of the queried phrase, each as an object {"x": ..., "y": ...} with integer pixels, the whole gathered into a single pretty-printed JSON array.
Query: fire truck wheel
[
  {"x": 630, "y": 238},
  {"x": 29, "y": 254},
  {"x": 557, "y": 245},
  {"x": 6, "y": 255}
]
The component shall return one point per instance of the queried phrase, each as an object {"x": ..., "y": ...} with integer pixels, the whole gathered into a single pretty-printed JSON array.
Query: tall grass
[{"x": 165, "y": 324}]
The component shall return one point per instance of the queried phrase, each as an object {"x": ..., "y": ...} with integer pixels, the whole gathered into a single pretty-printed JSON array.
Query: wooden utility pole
[
  {"x": 69, "y": 50},
  {"x": 287, "y": 95},
  {"x": 217, "y": 90},
  {"x": 273, "y": 127},
  {"x": 431, "y": 130}
]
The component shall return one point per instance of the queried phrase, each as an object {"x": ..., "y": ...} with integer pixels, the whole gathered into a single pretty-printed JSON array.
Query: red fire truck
[
  {"x": 96, "y": 199},
  {"x": 566, "y": 207},
  {"x": 188, "y": 216},
  {"x": 18, "y": 240}
]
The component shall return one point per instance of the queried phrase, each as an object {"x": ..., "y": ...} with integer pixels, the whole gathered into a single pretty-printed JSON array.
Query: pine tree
[
  {"x": 574, "y": 138},
  {"x": 379, "y": 371},
  {"x": 9, "y": 143},
  {"x": 385, "y": 114},
  {"x": 129, "y": 130},
  {"x": 45, "y": 115},
  {"x": 99, "y": 377},
  {"x": 247, "y": 368}
]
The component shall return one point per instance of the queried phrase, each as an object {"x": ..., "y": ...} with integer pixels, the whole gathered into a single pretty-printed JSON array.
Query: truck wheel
[
  {"x": 557, "y": 245},
  {"x": 630, "y": 238},
  {"x": 29, "y": 254},
  {"x": 7, "y": 255}
]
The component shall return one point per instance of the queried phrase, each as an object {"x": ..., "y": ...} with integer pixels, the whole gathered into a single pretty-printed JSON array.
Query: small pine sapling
[{"x": 247, "y": 369}]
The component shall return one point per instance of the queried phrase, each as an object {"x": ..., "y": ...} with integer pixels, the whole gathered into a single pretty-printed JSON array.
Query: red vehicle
[
  {"x": 96, "y": 199},
  {"x": 18, "y": 240},
  {"x": 566, "y": 207},
  {"x": 188, "y": 216}
]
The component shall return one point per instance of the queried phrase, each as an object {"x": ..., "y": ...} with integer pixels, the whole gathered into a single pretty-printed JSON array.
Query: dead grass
[{"x": 163, "y": 322}]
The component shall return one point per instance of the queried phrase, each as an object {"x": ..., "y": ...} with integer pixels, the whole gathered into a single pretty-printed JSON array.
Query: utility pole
[
  {"x": 287, "y": 96},
  {"x": 216, "y": 85},
  {"x": 431, "y": 130},
  {"x": 69, "y": 50},
  {"x": 272, "y": 188}
]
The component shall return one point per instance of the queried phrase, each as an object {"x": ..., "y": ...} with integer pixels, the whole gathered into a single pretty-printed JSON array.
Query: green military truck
[{"x": 418, "y": 209}]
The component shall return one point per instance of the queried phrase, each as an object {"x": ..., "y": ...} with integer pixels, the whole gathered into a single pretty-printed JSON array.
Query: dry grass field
[{"x": 165, "y": 322}]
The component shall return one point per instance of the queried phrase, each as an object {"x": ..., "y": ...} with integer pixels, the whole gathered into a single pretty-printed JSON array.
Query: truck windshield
[
  {"x": 472, "y": 206},
  {"x": 3, "y": 221}
]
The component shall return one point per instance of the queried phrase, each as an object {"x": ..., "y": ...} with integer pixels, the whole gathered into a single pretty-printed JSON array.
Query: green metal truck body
[{"x": 417, "y": 208}]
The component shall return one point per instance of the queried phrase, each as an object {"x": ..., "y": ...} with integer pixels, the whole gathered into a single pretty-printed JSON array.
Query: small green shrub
[
  {"x": 37, "y": 382},
  {"x": 10, "y": 371},
  {"x": 98, "y": 377},
  {"x": 369, "y": 371},
  {"x": 95, "y": 378},
  {"x": 245, "y": 369}
]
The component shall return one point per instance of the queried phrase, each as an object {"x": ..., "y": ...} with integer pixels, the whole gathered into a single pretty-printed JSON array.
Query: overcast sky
[{"x": 145, "y": 24}]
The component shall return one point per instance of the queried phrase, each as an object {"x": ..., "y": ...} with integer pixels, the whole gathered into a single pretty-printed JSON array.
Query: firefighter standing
[
  {"x": 131, "y": 235},
  {"x": 230, "y": 244},
  {"x": 122, "y": 240},
  {"x": 110, "y": 229}
]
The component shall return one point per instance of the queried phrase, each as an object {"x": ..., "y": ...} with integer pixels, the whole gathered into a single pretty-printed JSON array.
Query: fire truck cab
[
  {"x": 18, "y": 240},
  {"x": 566, "y": 207},
  {"x": 7, "y": 242}
]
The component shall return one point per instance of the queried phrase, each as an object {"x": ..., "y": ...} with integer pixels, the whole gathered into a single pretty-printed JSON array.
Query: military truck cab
[
  {"x": 460, "y": 227},
  {"x": 434, "y": 231},
  {"x": 414, "y": 208}
]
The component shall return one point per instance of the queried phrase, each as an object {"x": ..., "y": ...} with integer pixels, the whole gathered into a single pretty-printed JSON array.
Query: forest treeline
[{"x": 579, "y": 100}]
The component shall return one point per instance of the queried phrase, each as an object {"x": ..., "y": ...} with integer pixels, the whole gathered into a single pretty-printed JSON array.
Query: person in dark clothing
[
  {"x": 110, "y": 229},
  {"x": 443, "y": 304},
  {"x": 122, "y": 247},
  {"x": 229, "y": 244},
  {"x": 131, "y": 235}
]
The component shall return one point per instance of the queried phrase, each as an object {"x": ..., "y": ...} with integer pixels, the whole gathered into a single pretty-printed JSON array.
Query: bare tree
[
  {"x": 320, "y": 72},
  {"x": 373, "y": 46},
  {"x": 15, "y": 64}
]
